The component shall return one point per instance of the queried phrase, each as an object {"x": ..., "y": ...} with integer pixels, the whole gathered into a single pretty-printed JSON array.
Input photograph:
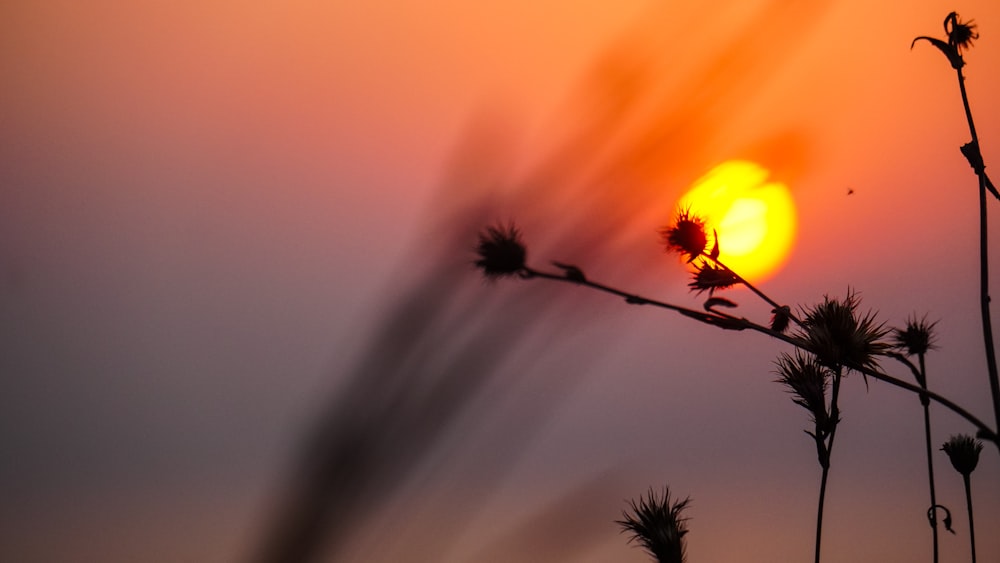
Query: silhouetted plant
[
  {"x": 831, "y": 335},
  {"x": 959, "y": 37},
  {"x": 916, "y": 340},
  {"x": 830, "y": 338},
  {"x": 963, "y": 451},
  {"x": 656, "y": 524},
  {"x": 808, "y": 380}
]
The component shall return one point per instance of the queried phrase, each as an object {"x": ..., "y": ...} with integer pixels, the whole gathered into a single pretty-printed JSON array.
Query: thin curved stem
[
  {"x": 984, "y": 270},
  {"x": 753, "y": 288},
  {"x": 930, "y": 460},
  {"x": 734, "y": 323},
  {"x": 819, "y": 509},
  {"x": 723, "y": 321},
  {"x": 835, "y": 421},
  {"x": 968, "y": 504}
]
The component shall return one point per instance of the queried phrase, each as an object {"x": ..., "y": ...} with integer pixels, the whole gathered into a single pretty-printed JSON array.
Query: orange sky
[{"x": 206, "y": 209}]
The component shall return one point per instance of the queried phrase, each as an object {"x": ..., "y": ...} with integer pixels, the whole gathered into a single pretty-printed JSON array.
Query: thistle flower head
[
  {"x": 916, "y": 339},
  {"x": 963, "y": 451},
  {"x": 960, "y": 34},
  {"x": 840, "y": 337},
  {"x": 710, "y": 278},
  {"x": 501, "y": 252},
  {"x": 686, "y": 236},
  {"x": 655, "y": 522},
  {"x": 807, "y": 381}
]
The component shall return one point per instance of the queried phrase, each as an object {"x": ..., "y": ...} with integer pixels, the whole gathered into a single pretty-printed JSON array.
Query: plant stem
[
  {"x": 922, "y": 380},
  {"x": 835, "y": 421},
  {"x": 734, "y": 323},
  {"x": 984, "y": 269},
  {"x": 930, "y": 477},
  {"x": 819, "y": 509},
  {"x": 753, "y": 288},
  {"x": 968, "y": 504}
]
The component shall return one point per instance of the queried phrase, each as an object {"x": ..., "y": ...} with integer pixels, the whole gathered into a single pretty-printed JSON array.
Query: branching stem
[{"x": 734, "y": 323}]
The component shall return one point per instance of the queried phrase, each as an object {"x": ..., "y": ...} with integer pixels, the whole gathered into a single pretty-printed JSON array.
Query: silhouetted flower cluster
[
  {"x": 501, "y": 252},
  {"x": 655, "y": 522}
]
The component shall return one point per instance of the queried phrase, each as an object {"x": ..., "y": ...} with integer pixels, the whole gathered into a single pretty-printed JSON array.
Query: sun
[{"x": 755, "y": 219}]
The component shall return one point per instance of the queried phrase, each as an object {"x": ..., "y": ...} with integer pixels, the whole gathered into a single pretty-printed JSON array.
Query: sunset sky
[{"x": 213, "y": 213}]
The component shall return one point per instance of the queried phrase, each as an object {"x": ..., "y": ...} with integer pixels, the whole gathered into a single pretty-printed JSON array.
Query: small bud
[{"x": 780, "y": 318}]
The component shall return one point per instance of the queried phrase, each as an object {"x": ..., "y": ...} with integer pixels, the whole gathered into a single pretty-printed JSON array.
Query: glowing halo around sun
[{"x": 755, "y": 219}]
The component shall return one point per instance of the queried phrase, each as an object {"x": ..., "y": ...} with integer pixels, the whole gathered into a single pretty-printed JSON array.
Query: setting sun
[{"x": 754, "y": 218}]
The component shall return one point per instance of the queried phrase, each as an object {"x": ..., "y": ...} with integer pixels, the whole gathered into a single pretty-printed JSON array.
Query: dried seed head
[
  {"x": 807, "y": 380},
  {"x": 686, "y": 236},
  {"x": 655, "y": 522},
  {"x": 840, "y": 337},
  {"x": 916, "y": 339},
  {"x": 960, "y": 34},
  {"x": 710, "y": 278},
  {"x": 963, "y": 451},
  {"x": 501, "y": 252}
]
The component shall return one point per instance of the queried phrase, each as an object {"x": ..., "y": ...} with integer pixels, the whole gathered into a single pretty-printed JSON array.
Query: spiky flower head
[
  {"x": 960, "y": 34},
  {"x": 916, "y": 339},
  {"x": 686, "y": 236},
  {"x": 840, "y": 337},
  {"x": 807, "y": 380},
  {"x": 708, "y": 277},
  {"x": 501, "y": 252},
  {"x": 963, "y": 451},
  {"x": 655, "y": 522}
]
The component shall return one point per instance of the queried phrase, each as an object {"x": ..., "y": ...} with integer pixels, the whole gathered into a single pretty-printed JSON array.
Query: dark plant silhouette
[
  {"x": 857, "y": 353},
  {"x": 808, "y": 381},
  {"x": 963, "y": 451},
  {"x": 838, "y": 339},
  {"x": 960, "y": 36},
  {"x": 832, "y": 338},
  {"x": 501, "y": 252},
  {"x": 916, "y": 340},
  {"x": 359, "y": 454},
  {"x": 656, "y": 523}
]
